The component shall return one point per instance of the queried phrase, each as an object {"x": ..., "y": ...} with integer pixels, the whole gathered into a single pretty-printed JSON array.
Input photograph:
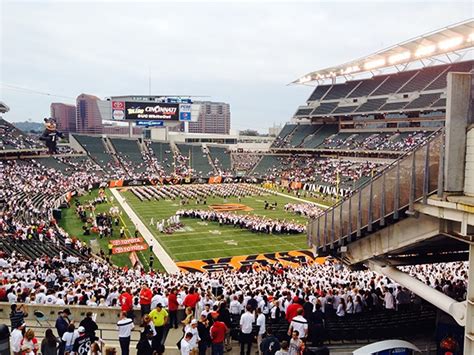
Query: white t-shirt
[
  {"x": 246, "y": 321},
  {"x": 125, "y": 327},
  {"x": 185, "y": 347},
  {"x": 300, "y": 324},
  {"x": 261, "y": 324},
  {"x": 15, "y": 340}
]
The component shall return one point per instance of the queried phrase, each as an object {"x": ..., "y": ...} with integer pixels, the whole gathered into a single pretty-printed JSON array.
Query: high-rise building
[
  {"x": 214, "y": 117},
  {"x": 88, "y": 114},
  {"x": 65, "y": 116}
]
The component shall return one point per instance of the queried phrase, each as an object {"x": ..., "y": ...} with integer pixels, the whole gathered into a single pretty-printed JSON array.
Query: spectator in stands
[
  {"x": 49, "y": 344},
  {"x": 69, "y": 337},
  {"x": 292, "y": 309},
  {"x": 29, "y": 344},
  {"x": 389, "y": 299},
  {"x": 403, "y": 299},
  {"x": 125, "y": 326},
  {"x": 261, "y": 325},
  {"x": 16, "y": 338},
  {"x": 246, "y": 323},
  {"x": 284, "y": 348},
  {"x": 17, "y": 315},
  {"x": 89, "y": 324},
  {"x": 270, "y": 344},
  {"x": 145, "y": 299},
  {"x": 126, "y": 303},
  {"x": 203, "y": 326},
  {"x": 173, "y": 306},
  {"x": 160, "y": 318},
  {"x": 185, "y": 345},
  {"x": 218, "y": 333},
  {"x": 62, "y": 325},
  {"x": 296, "y": 344},
  {"x": 194, "y": 341},
  {"x": 300, "y": 324},
  {"x": 82, "y": 343},
  {"x": 148, "y": 343}
]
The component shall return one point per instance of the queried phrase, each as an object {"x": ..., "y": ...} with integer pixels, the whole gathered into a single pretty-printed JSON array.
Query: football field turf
[{"x": 204, "y": 240}]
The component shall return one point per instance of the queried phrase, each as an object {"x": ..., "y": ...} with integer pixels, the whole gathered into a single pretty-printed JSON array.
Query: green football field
[{"x": 203, "y": 240}]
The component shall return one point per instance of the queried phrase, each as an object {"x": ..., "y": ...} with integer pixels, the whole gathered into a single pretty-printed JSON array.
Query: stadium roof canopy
[{"x": 451, "y": 39}]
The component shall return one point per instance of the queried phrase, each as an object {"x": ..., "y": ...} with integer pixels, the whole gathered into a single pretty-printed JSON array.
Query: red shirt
[
  {"x": 218, "y": 330},
  {"x": 126, "y": 302},
  {"x": 191, "y": 299},
  {"x": 291, "y": 311},
  {"x": 146, "y": 296},
  {"x": 172, "y": 302}
]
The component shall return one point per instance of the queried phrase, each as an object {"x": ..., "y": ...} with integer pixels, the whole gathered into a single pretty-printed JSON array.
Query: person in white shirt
[
  {"x": 261, "y": 328},
  {"x": 389, "y": 300},
  {"x": 125, "y": 326},
  {"x": 246, "y": 322},
  {"x": 15, "y": 339},
  {"x": 185, "y": 345},
  {"x": 192, "y": 329},
  {"x": 300, "y": 324}
]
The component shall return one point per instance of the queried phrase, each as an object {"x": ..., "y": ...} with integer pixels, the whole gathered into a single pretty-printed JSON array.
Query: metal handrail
[{"x": 383, "y": 171}]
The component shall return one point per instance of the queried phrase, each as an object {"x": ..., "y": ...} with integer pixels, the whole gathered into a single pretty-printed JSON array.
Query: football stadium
[{"x": 348, "y": 231}]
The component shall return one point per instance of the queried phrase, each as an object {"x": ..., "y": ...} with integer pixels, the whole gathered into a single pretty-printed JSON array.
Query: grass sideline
[
  {"x": 73, "y": 225},
  {"x": 207, "y": 240}
]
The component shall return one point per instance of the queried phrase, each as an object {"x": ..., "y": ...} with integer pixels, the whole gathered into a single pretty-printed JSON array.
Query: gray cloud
[{"x": 241, "y": 53}]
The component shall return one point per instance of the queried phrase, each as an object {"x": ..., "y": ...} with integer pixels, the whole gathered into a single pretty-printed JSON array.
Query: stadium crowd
[
  {"x": 305, "y": 209},
  {"x": 257, "y": 297}
]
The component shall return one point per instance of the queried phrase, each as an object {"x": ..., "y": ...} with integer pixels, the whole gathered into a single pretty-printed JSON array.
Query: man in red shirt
[
  {"x": 126, "y": 303},
  {"x": 292, "y": 309},
  {"x": 145, "y": 299},
  {"x": 191, "y": 299},
  {"x": 217, "y": 332},
  {"x": 173, "y": 308}
]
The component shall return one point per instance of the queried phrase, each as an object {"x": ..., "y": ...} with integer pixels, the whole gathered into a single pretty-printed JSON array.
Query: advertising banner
[
  {"x": 157, "y": 111},
  {"x": 116, "y": 242},
  {"x": 129, "y": 248}
]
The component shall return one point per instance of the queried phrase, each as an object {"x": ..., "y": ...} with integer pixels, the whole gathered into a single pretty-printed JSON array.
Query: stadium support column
[
  {"x": 130, "y": 129},
  {"x": 457, "y": 120}
]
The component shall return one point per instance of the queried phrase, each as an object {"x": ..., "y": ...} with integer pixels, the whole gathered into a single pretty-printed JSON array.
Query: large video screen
[{"x": 127, "y": 110}]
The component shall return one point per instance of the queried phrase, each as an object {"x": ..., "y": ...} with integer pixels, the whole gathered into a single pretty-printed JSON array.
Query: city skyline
[{"x": 241, "y": 53}]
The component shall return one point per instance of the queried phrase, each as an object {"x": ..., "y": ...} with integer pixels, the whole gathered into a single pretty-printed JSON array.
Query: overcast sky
[{"x": 243, "y": 53}]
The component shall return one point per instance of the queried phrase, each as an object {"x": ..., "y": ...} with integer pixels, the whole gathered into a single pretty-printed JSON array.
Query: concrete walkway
[{"x": 158, "y": 250}]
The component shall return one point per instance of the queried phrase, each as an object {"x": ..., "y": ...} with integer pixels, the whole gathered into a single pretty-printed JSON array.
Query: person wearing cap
[
  {"x": 218, "y": 334},
  {"x": 83, "y": 343},
  {"x": 89, "y": 324},
  {"x": 159, "y": 317},
  {"x": 203, "y": 331},
  {"x": 193, "y": 342},
  {"x": 16, "y": 338},
  {"x": 125, "y": 326}
]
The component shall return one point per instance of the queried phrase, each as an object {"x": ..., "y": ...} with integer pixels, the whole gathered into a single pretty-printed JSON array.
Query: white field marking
[
  {"x": 158, "y": 250},
  {"x": 202, "y": 223},
  {"x": 215, "y": 232},
  {"x": 170, "y": 238},
  {"x": 180, "y": 247},
  {"x": 231, "y": 242}
]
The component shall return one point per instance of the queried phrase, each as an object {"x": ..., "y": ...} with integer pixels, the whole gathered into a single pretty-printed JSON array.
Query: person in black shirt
[
  {"x": 317, "y": 329},
  {"x": 83, "y": 343},
  {"x": 17, "y": 315},
  {"x": 270, "y": 344},
  {"x": 89, "y": 325}
]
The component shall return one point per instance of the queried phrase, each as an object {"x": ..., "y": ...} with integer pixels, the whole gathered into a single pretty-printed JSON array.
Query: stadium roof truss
[{"x": 447, "y": 45}]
